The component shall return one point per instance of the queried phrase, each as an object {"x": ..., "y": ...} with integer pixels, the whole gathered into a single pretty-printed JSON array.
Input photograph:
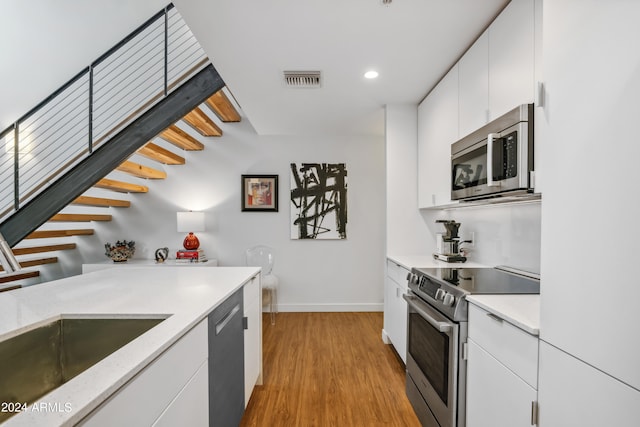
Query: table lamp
[{"x": 190, "y": 222}]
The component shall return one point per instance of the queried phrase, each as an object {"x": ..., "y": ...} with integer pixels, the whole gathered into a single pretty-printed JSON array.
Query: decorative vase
[{"x": 191, "y": 242}]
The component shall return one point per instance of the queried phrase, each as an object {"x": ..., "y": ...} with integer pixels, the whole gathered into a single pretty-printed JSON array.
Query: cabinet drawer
[
  {"x": 398, "y": 273},
  {"x": 512, "y": 346}
]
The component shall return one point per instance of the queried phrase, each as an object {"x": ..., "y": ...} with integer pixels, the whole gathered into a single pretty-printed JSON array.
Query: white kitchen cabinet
[
  {"x": 589, "y": 372},
  {"x": 573, "y": 393},
  {"x": 497, "y": 73},
  {"x": 511, "y": 58},
  {"x": 437, "y": 130},
  {"x": 474, "y": 86},
  {"x": 252, "y": 337},
  {"x": 502, "y": 366},
  {"x": 185, "y": 409},
  {"x": 395, "y": 307},
  {"x": 144, "y": 399}
]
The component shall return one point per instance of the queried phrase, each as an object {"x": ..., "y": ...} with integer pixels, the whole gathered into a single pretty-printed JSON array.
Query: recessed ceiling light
[{"x": 371, "y": 74}]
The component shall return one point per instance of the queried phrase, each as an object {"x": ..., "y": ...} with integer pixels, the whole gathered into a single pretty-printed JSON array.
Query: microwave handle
[{"x": 490, "y": 181}]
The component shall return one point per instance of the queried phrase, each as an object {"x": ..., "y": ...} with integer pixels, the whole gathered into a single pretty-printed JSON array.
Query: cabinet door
[
  {"x": 189, "y": 407},
  {"x": 437, "y": 130},
  {"x": 395, "y": 317},
  {"x": 511, "y": 58},
  {"x": 573, "y": 393},
  {"x": 252, "y": 337},
  {"x": 474, "y": 86},
  {"x": 496, "y": 397}
]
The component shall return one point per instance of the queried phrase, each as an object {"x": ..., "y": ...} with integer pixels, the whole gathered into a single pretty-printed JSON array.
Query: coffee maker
[{"x": 448, "y": 244}]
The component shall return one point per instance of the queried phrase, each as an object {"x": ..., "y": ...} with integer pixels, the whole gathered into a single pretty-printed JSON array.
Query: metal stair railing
[{"x": 90, "y": 109}]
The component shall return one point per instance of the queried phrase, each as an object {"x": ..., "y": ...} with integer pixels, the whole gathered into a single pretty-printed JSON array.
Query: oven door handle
[{"x": 428, "y": 313}]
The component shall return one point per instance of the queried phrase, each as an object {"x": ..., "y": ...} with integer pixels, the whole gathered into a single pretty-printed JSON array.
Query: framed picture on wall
[{"x": 260, "y": 193}]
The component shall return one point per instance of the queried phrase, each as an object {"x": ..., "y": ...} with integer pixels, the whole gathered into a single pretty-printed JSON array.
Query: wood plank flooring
[{"x": 329, "y": 369}]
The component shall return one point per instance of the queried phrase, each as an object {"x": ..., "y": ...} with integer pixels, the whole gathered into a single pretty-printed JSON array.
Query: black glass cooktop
[{"x": 483, "y": 280}]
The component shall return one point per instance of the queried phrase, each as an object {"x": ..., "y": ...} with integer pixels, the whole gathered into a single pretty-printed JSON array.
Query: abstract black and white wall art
[{"x": 318, "y": 201}]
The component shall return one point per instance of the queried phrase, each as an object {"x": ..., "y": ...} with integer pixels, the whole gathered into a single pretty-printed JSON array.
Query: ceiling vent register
[{"x": 302, "y": 79}]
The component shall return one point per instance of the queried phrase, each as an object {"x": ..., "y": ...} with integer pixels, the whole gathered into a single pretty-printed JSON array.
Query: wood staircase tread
[
  {"x": 222, "y": 107},
  {"x": 202, "y": 123},
  {"x": 154, "y": 152},
  {"x": 40, "y": 249},
  {"x": 101, "y": 202},
  {"x": 79, "y": 217},
  {"x": 34, "y": 262},
  {"x": 45, "y": 234},
  {"x": 120, "y": 186},
  {"x": 181, "y": 139},
  {"x": 141, "y": 171},
  {"x": 19, "y": 275}
]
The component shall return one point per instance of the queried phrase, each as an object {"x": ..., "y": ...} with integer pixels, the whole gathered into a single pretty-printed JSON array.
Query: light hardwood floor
[{"x": 329, "y": 369}]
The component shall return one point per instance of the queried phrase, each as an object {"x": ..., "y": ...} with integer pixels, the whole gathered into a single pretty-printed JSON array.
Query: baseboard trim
[{"x": 304, "y": 308}]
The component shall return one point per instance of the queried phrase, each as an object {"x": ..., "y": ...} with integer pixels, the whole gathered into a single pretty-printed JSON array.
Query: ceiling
[{"x": 411, "y": 43}]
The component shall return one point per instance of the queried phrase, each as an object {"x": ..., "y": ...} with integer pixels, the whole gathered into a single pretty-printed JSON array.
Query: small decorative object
[
  {"x": 162, "y": 254},
  {"x": 260, "y": 193},
  {"x": 121, "y": 251},
  {"x": 190, "y": 222},
  {"x": 318, "y": 201}
]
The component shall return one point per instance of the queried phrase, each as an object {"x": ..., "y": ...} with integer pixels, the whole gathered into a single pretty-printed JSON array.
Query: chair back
[{"x": 260, "y": 256}]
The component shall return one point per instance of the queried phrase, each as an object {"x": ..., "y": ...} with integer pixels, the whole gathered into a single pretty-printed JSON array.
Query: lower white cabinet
[
  {"x": 502, "y": 368},
  {"x": 162, "y": 388},
  {"x": 395, "y": 308},
  {"x": 186, "y": 407},
  {"x": 252, "y": 337}
]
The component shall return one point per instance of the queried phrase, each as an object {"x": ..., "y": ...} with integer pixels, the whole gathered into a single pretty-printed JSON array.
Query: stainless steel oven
[
  {"x": 437, "y": 335},
  {"x": 435, "y": 367},
  {"x": 495, "y": 160}
]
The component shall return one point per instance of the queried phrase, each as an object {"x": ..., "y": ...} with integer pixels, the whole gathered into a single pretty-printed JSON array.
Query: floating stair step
[
  {"x": 40, "y": 249},
  {"x": 79, "y": 217},
  {"x": 101, "y": 202},
  {"x": 141, "y": 171},
  {"x": 202, "y": 123},
  {"x": 45, "y": 234},
  {"x": 19, "y": 275},
  {"x": 122, "y": 187},
  {"x": 154, "y": 152},
  {"x": 181, "y": 139},
  {"x": 34, "y": 262},
  {"x": 222, "y": 107}
]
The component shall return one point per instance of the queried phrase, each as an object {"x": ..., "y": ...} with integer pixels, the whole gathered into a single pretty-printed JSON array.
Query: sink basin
[{"x": 37, "y": 361}]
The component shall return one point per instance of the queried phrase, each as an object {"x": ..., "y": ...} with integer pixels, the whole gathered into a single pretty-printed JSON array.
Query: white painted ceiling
[{"x": 411, "y": 43}]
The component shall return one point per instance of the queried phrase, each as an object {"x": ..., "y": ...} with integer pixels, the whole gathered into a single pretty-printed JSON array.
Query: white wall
[
  {"x": 314, "y": 275},
  {"x": 44, "y": 44}
]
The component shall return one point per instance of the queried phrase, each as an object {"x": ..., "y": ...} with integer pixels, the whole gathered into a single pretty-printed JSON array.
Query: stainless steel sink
[{"x": 42, "y": 359}]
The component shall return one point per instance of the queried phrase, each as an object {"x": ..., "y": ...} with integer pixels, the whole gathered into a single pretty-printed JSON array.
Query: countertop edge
[{"x": 522, "y": 311}]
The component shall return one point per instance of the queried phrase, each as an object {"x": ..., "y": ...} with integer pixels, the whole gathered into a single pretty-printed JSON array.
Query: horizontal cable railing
[{"x": 97, "y": 103}]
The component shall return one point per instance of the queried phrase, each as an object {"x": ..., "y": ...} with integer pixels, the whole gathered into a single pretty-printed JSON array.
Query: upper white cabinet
[
  {"x": 474, "y": 86},
  {"x": 497, "y": 73},
  {"x": 511, "y": 58},
  {"x": 437, "y": 130}
]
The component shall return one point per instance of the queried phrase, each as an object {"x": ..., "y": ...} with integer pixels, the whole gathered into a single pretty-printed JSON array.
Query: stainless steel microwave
[{"x": 496, "y": 160}]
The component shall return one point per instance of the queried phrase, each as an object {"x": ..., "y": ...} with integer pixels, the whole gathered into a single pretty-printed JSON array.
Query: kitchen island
[{"x": 183, "y": 300}]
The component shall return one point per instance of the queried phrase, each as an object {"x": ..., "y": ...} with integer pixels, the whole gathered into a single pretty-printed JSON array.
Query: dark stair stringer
[{"x": 110, "y": 154}]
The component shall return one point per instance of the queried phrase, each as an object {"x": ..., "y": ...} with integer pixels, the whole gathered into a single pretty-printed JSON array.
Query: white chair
[{"x": 263, "y": 256}]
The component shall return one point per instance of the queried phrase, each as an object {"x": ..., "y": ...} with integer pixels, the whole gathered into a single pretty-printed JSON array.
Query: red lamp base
[{"x": 191, "y": 242}]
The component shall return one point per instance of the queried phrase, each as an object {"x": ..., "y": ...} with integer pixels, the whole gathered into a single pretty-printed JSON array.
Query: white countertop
[
  {"x": 134, "y": 291},
  {"x": 427, "y": 261},
  {"x": 522, "y": 311}
]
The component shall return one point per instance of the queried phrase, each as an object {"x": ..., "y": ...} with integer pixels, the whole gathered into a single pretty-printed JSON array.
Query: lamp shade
[{"x": 190, "y": 221}]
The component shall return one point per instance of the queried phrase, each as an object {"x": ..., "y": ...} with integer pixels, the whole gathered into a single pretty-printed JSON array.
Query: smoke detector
[{"x": 303, "y": 79}]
